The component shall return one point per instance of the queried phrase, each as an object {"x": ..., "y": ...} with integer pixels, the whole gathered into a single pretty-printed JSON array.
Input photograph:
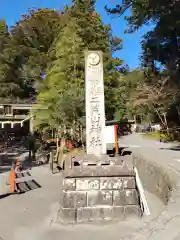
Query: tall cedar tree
[
  {"x": 25, "y": 54},
  {"x": 10, "y": 87},
  {"x": 63, "y": 91},
  {"x": 98, "y": 36},
  {"x": 62, "y": 97}
]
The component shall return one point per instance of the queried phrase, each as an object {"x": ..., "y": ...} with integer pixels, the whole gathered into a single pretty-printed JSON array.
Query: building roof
[{"x": 113, "y": 122}]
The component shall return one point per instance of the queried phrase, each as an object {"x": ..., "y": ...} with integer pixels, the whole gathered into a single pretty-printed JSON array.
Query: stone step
[
  {"x": 86, "y": 199},
  {"x": 99, "y": 171},
  {"x": 101, "y": 189},
  {"x": 96, "y": 162},
  {"x": 98, "y": 213},
  {"x": 78, "y": 199},
  {"x": 97, "y": 183}
]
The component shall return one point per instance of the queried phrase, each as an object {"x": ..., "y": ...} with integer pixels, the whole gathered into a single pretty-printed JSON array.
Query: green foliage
[
  {"x": 127, "y": 85},
  {"x": 4, "y": 34},
  {"x": 48, "y": 42},
  {"x": 9, "y": 88},
  {"x": 35, "y": 33},
  {"x": 161, "y": 50},
  {"x": 63, "y": 90},
  {"x": 24, "y": 55},
  {"x": 65, "y": 78},
  {"x": 162, "y": 43}
]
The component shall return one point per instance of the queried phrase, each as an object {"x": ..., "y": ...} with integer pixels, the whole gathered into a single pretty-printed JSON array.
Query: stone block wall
[
  {"x": 85, "y": 199},
  {"x": 156, "y": 177},
  {"x": 160, "y": 175}
]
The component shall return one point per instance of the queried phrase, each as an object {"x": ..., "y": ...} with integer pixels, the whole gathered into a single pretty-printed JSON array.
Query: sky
[{"x": 11, "y": 11}]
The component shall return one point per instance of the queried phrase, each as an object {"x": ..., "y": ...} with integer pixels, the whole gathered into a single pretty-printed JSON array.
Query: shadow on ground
[
  {"x": 174, "y": 148},
  {"x": 4, "y": 195},
  {"x": 120, "y": 151}
]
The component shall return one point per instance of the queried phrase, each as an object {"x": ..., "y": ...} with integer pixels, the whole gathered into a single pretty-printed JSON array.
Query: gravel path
[
  {"x": 167, "y": 153},
  {"x": 137, "y": 140}
]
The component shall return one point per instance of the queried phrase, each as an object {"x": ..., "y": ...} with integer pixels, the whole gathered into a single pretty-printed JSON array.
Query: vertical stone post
[{"x": 95, "y": 109}]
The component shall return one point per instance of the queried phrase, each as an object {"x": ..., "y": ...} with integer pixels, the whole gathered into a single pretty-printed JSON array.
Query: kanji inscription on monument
[{"x": 95, "y": 110}]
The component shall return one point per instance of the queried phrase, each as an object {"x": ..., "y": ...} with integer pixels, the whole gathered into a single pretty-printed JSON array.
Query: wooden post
[{"x": 116, "y": 139}]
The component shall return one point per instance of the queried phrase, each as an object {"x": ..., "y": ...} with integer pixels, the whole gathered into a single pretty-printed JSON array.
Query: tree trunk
[
  {"x": 61, "y": 147},
  {"x": 165, "y": 120},
  {"x": 74, "y": 129},
  {"x": 159, "y": 115},
  {"x": 82, "y": 138},
  {"x": 58, "y": 136},
  {"x": 57, "y": 141}
]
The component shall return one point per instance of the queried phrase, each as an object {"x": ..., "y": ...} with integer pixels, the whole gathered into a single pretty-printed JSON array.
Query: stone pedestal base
[{"x": 101, "y": 192}]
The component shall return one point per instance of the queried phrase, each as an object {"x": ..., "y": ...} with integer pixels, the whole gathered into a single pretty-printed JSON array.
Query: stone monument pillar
[
  {"x": 100, "y": 188},
  {"x": 95, "y": 109}
]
